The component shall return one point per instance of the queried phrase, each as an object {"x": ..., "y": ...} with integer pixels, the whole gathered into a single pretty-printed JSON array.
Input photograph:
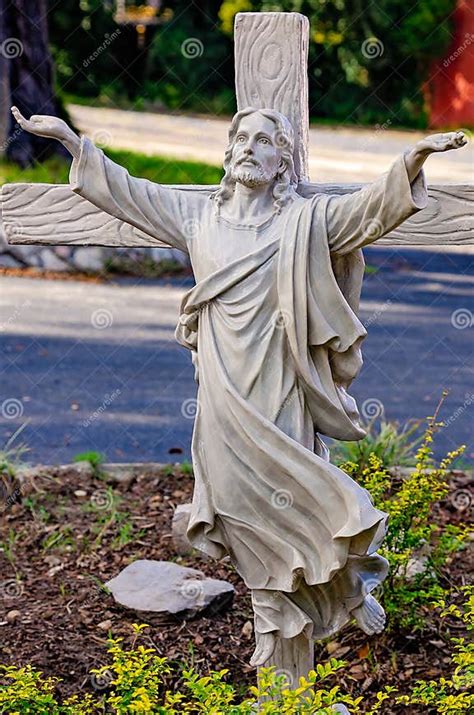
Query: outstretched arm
[
  {"x": 161, "y": 212},
  {"x": 355, "y": 220}
]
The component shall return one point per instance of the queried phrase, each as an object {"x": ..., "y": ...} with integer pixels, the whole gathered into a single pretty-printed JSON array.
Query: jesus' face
[{"x": 256, "y": 156}]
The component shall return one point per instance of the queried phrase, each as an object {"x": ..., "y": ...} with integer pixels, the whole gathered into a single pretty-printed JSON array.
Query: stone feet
[{"x": 370, "y": 616}]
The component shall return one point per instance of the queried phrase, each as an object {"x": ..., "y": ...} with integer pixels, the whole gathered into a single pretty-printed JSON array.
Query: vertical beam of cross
[{"x": 271, "y": 71}]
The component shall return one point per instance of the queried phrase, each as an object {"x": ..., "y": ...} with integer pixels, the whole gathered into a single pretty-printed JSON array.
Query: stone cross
[{"x": 271, "y": 73}]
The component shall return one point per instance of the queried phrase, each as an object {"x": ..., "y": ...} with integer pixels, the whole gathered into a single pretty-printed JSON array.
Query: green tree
[{"x": 368, "y": 61}]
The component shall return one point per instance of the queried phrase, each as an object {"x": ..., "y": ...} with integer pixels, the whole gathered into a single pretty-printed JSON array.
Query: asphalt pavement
[{"x": 95, "y": 367}]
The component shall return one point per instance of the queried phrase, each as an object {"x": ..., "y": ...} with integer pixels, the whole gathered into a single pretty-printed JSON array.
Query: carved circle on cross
[{"x": 271, "y": 61}]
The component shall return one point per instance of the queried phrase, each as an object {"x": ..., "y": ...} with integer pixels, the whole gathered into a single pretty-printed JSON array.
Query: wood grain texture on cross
[
  {"x": 271, "y": 70},
  {"x": 271, "y": 59}
]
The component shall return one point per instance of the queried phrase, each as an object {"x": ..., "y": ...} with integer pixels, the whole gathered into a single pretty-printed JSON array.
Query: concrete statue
[{"x": 276, "y": 342}]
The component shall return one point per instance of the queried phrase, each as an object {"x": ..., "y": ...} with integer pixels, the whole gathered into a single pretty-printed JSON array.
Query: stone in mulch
[{"x": 165, "y": 587}]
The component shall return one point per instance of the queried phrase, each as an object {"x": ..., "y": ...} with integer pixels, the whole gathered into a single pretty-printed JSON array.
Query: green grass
[{"x": 154, "y": 168}]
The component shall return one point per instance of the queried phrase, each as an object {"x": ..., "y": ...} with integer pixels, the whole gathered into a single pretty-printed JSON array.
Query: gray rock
[
  {"x": 165, "y": 587},
  {"x": 418, "y": 563},
  {"x": 82, "y": 468},
  {"x": 415, "y": 567}
]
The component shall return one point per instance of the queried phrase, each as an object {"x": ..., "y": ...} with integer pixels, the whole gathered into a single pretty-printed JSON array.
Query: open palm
[
  {"x": 42, "y": 125},
  {"x": 444, "y": 142}
]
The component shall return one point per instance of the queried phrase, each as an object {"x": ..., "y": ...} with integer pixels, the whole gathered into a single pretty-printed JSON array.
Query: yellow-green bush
[
  {"x": 453, "y": 694},
  {"x": 412, "y": 532},
  {"x": 134, "y": 682}
]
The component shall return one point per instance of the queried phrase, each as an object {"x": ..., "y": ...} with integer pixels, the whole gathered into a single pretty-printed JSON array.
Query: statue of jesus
[{"x": 276, "y": 345}]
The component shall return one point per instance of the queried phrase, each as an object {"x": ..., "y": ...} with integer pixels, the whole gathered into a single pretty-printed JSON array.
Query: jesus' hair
[{"x": 286, "y": 180}]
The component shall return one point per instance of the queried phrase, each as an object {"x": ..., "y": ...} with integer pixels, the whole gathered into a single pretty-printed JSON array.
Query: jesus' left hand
[{"x": 434, "y": 143}]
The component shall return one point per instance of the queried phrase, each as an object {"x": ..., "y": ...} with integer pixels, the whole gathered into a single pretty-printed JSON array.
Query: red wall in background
[{"x": 451, "y": 88}]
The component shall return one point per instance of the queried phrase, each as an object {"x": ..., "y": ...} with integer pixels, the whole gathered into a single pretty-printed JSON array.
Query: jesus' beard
[{"x": 251, "y": 178}]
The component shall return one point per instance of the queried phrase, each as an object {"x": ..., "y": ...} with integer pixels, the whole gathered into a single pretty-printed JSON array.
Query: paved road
[
  {"x": 95, "y": 366},
  {"x": 339, "y": 155}
]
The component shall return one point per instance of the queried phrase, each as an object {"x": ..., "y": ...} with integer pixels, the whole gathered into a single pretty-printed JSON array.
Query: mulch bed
[
  {"x": 98, "y": 277},
  {"x": 62, "y": 543},
  {"x": 30, "y": 272}
]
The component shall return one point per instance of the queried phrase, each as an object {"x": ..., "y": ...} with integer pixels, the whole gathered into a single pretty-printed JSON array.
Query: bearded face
[
  {"x": 256, "y": 156},
  {"x": 250, "y": 173}
]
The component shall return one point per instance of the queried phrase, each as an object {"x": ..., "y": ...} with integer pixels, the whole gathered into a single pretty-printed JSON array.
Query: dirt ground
[{"x": 73, "y": 531}]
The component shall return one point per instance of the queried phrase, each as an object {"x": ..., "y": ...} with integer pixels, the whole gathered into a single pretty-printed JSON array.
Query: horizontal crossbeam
[{"x": 51, "y": 214}]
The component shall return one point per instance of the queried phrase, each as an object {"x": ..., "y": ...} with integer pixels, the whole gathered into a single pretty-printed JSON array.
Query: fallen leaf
[{"x": 364, "y": 651}]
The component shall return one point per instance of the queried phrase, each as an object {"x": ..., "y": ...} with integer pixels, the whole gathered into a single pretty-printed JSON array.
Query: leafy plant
[
  {"x": 38, "y": 511},
  {"x": 186, "y": 467},
  {"x": 60, "y": 538},
  {"x": 135, "y": 676},
  {"x": 104, "y": 505},
  {"x": 135, "y": 682},
  {"x": 142, "y": 266},
  {"x": 416, "y": 547},
  {"x": 393, "y": 445},
  {"x": 95, "y": 459},
  {"x": 453, "y": 694},
  {"x": 7, "y": 547},
  {"x": 126, "y": 532},
  {"x": 11, "y": 460},
  {"x": 11, "y": 456},
  {"x": 30, "y": 692}
]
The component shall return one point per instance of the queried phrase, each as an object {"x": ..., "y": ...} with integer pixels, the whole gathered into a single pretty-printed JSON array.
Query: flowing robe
[{"x": 276, "y": 345}]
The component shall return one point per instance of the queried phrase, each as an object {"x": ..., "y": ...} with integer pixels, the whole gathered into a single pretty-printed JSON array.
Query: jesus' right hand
[{"x": 44, "y": 125}]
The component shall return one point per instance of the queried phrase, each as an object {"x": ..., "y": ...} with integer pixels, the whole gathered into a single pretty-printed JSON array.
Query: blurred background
[{"x": 88, "y": 358}]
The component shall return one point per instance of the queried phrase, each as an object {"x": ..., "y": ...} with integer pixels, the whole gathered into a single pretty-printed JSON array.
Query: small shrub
[
  {"x": 134, "y": 682},
  {"x": 11, "y": 460},
  {"x": 453, "y": 694},
  {"x": 29, "y": 692},
  {"x": 415, "y": 546},
  {"x": 393, "y": 445},
  {"x": 186, "y": 467}
]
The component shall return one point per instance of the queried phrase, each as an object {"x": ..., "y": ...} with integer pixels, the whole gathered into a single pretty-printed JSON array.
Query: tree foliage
[{"x": 368, "y": 62}]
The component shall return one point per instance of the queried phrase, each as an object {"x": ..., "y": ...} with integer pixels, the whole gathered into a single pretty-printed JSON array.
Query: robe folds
[{"x": 276, "y": 345}]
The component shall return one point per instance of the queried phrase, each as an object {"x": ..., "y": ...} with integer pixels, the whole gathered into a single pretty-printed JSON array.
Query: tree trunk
[{"x": 26, "y": 78}]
